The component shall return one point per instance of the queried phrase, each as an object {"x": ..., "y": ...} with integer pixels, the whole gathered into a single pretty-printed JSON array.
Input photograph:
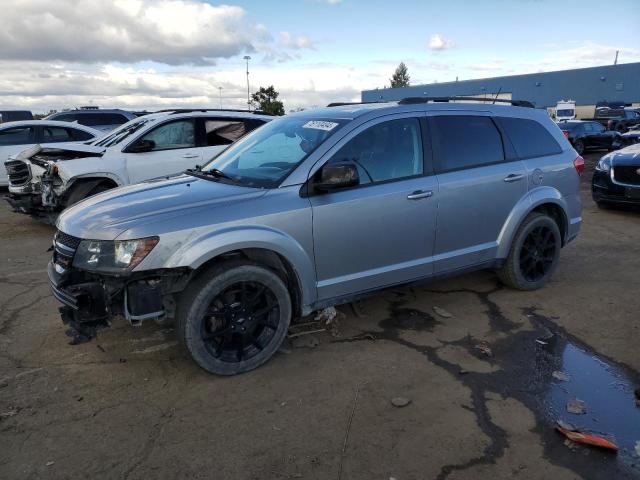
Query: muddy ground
[{"x": 132, "y": 405}]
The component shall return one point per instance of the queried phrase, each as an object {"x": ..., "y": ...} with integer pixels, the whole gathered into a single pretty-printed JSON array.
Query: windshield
[
  {"x": 268, "y": 154},
  {"x": 123, "y": 132},
  {"x": 565, "y": 113}
]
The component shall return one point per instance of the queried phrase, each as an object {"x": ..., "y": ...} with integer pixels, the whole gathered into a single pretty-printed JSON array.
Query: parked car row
[{"x": 49, "y": 177}]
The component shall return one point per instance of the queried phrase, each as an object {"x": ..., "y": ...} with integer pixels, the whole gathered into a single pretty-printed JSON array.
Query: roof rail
[
  {"x": 188, "y": 110},
  {"x": 414, "y": 100},
  {"x": 343, "y": 104}
]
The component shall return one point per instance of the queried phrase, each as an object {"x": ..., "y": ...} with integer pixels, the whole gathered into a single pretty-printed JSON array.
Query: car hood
[
  {"x": 626, "y": 156},
  {"x": 109, "y": 214},
  {"x": 60, "y": 151}
]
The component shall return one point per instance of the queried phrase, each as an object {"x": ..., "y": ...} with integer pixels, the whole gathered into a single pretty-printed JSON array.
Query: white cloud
[
  {"x": 293, "y": 42},
  {"x": 438, "y": 42},
  {"x": 167, "y": 31}
]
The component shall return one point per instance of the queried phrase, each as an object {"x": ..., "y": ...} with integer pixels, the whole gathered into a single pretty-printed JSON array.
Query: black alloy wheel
[
  {"x": 240, "y": 322},
  {"x": 537, "y": 253}
]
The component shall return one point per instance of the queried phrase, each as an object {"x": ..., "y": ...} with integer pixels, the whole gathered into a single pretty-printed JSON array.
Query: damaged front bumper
[{"x": 91, "y": 301}]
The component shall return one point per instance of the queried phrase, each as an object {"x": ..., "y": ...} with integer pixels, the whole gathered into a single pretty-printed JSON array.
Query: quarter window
[
  {"x": 172, "y": 135},
  {"x": 16, "y": 136},
  {"x": 465, "y": 141},
  {"x": 529, "y": 138},
  {"x": 386, "y": 151}
]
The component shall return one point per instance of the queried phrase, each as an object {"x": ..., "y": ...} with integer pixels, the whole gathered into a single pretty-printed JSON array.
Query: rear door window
[
  {"x": 16, "y": 136},
  {"x": 56, "y": 134},
  {"x": 79, "y": 135},
  {"x": 465, "y": 141},
  {"x": 529, "y": 138},
  {"x": 223, "y": 131}
]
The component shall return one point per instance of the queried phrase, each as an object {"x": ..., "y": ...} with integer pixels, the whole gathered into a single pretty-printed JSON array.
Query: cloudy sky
[{"x": 148, "y": 54}]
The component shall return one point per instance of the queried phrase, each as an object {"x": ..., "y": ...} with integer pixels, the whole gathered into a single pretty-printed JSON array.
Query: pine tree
[{"x": 400, "y": 77}]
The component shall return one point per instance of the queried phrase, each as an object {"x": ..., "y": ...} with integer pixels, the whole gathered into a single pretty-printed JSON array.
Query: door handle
[
  {"x": 418, "y": 194},
  {"x": 514, "y": 177},
  {"x": 190, "y": 155}
]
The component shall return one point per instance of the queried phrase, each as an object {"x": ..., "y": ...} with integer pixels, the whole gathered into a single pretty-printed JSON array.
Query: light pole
[
  {"x": 220, "y": 92},
  {"x": 247, "y": 58}
]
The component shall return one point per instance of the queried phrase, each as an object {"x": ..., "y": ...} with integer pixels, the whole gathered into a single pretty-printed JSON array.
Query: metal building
[{"x": 586, "y": 86}]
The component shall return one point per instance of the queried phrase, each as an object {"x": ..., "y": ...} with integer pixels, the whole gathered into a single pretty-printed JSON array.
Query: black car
[
  {"x": 590, "y": 135},
  {"x": 617, "y": 177}
]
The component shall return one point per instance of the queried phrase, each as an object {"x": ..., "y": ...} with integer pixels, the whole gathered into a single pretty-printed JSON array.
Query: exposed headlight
[
  {"x": 604, "y": 165},
  {"x": 112, "y": 256}
]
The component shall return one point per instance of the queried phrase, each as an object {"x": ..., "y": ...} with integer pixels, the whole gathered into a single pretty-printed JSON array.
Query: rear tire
[
  {"x": 534, "y": 253},
  {"x": 233, "y": 317}
]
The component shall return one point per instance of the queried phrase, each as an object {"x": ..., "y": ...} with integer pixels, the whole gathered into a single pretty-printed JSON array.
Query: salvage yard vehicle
[
  {"x": 590, "y": 136},
  {"x": 616, "y": 179},
  {"x": 316, "y": 209},
  {"x": 101, "y": 119},
  {"x": 17, "y": 136},
  {"x": 47, "y": 178}
]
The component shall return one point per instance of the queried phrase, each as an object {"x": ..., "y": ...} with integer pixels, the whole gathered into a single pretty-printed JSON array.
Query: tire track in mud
[{"x": 518, "y": 356}]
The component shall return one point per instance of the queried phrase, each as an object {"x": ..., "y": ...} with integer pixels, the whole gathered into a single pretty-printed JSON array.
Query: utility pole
[
  {"x": 247, "y": 58},
  {"x": 220, "y": 93},
  {"x": 615, "y": 62}
]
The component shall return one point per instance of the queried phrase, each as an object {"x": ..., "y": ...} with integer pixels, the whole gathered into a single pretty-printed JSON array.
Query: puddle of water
[{"x": 607, "y": 391}]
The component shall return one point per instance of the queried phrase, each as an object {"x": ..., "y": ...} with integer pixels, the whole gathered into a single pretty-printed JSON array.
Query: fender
[
  {"x": 534, "y": 198},
  {"x": 69, "y": 181},
  {"x": 200, "y": 249}
]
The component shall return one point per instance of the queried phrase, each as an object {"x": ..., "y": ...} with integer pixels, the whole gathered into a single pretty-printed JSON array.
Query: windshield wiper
[{"x": 214, "y": 172}]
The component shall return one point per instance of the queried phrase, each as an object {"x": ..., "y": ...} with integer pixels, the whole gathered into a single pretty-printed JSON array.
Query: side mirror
[
  {"x": 142, "y": 146},
  {"x": 335, "y": 176}
]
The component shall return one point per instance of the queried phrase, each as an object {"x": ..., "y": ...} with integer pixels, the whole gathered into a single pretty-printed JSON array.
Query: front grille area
[
  {"x": 18, "y": 172},
  {"x": 64, "y": 249},
  {"x": 627, "y": 174},
  {"x": 67, "y": 240}
]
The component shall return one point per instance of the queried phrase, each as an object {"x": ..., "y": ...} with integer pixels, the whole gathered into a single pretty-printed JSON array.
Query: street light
[
  {"x": 220, "y": 92},
  {"x": 247, "y": 58}
]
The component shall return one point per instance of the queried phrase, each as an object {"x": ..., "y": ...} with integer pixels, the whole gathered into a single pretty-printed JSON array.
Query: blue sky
[{"x": 164, "y": 53}]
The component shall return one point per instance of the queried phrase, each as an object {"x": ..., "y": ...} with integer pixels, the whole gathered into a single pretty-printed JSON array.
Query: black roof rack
[
  {"x": 415, "y": 100},
  {"x": 343, "y": 104},
  {"x": 188, "y": 110}
]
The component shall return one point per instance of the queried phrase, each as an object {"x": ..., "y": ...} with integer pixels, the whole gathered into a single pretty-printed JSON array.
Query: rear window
[
  {"x": 464, "y": 141},
  {"x": 529, "y": 138}
]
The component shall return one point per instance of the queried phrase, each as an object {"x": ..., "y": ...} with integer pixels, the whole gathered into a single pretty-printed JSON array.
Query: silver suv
[{"x": 315, "y": 209}]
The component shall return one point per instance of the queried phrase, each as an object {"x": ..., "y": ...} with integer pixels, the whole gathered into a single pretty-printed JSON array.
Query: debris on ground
[
  {"x": 305, "y": 342},
  {"x": 576, "y": 406},
  {"x": 558, "y": 375},
  {"x": 9, "y": 413},
  {"x": 484, "y": 349},
  {"x": 541, "y": 342},
  {"x": 442, "y": 312},
  {"x": 400, "y": 402},
  {"x": 586, "y": 438},
  {"x": 326, "y": 315},
  {"x": 463, "y": 372},
  {"x": 308, "y": 332},
  {"x": 48, "y": 464}
]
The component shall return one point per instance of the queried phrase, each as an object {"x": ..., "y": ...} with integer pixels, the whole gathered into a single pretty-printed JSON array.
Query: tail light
[
  {"x": 566, "y": 134},
  {"x": 578, "y": 164}
]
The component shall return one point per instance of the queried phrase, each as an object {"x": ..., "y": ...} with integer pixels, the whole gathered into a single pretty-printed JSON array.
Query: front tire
[
  {"x": 234, "y": 317},
  {"x": 534, "y": 253}
]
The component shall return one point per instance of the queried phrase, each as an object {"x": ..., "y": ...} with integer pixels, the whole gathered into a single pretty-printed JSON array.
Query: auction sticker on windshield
[{"x": 320, "y": 125}]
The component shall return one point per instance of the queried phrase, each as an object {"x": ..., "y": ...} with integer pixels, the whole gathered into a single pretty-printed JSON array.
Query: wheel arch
[
  {"x": 547, "y": 200},
  {"x": 265, "y": 246},
  {"x": 79, "y": 187}
]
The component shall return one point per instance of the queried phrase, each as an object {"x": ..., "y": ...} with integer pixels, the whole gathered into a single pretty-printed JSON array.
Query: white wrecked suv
[
  {"x": 315, "y": 209},
  {"x": 45, "y": 179}
]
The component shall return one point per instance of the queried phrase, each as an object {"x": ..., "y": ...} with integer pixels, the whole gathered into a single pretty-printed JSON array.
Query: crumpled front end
[{"x": 91, "y": 300}]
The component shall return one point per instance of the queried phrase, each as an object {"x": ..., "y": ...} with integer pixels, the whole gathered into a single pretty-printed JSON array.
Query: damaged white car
[{"x": 45, "y": 179}]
